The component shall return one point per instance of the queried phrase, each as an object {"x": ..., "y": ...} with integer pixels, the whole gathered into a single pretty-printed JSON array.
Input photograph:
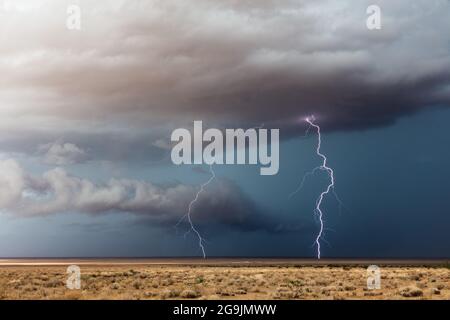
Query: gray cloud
[
  {"x": 56, "y": 191},
  {"x": 136, "y": 63},
  {"x": 60, "y": 153}
]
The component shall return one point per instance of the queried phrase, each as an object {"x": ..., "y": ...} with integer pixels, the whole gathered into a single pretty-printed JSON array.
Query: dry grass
[{"x": 220, "y": 282}]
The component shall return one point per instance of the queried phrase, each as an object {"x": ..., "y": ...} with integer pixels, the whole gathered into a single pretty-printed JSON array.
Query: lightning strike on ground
[
  {"x": 328, "y": 189},
  {"x": 188, "y": 214}
]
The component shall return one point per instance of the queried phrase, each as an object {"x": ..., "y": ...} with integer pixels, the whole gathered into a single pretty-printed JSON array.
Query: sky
[{"x": 86, "y": 118}]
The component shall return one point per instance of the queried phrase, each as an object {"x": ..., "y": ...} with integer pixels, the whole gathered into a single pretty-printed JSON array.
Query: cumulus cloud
[
  {"x": 12, "y": 183},
  {"x": 56, "y": 191},
  {"x": 135, "y": 62},
  {"x": 60, "y": 153}
]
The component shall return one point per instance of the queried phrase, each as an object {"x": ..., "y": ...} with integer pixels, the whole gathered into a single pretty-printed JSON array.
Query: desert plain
[{"x": 222, "y": 279}]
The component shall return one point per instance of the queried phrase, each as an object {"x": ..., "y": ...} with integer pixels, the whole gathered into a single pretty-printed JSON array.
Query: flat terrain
[{"x": 223, "y": 279}]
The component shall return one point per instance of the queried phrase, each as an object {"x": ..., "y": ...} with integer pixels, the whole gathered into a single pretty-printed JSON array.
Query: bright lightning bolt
[
  {"x": 188, "y": 214},
  {"x": 191, "y": 204},
  {"x": 329, "y": 188}
]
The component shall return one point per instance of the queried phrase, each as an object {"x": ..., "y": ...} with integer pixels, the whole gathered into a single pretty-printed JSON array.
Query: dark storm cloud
[
  {"x": 225, "y": 204},
  {"x": 225, "y": 61},
  {"x": 139, "y": 69}
]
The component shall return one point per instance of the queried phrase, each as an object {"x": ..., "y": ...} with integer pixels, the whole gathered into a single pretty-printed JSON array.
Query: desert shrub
[{"x": 190, "y": 294}]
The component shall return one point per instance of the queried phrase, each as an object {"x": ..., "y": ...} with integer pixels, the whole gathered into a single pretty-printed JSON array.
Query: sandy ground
[{"x": 222, "y": 279}]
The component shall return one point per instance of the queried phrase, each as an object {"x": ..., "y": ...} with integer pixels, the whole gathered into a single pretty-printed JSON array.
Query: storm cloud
[
  {"x": 57, "y": 191},
  {"x": 86, "y": 115},
  {"x": 137, "y": 62},
  {"x": 138, "y": 69}
]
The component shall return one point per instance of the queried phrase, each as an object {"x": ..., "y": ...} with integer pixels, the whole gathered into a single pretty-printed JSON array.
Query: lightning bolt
[
  {"x": 188, "y": 214},
  {"x": 328, "y": 189}
]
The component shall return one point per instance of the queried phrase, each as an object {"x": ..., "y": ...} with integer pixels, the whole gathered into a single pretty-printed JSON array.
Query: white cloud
[
  {"x": 12, "y": 183},
  {"x": 60, "y": 153}
]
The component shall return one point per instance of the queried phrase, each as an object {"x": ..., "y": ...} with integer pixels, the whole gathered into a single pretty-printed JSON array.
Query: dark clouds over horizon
[
  {"x": 138, "y": 70},
  {"x": 86, "y": 116}
]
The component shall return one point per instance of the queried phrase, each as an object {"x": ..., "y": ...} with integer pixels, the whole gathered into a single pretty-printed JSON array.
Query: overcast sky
[{"x": 86, "y": 117}]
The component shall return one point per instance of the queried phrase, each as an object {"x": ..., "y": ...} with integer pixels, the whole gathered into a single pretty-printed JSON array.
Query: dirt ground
[{"x": 223, "y": 282}]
